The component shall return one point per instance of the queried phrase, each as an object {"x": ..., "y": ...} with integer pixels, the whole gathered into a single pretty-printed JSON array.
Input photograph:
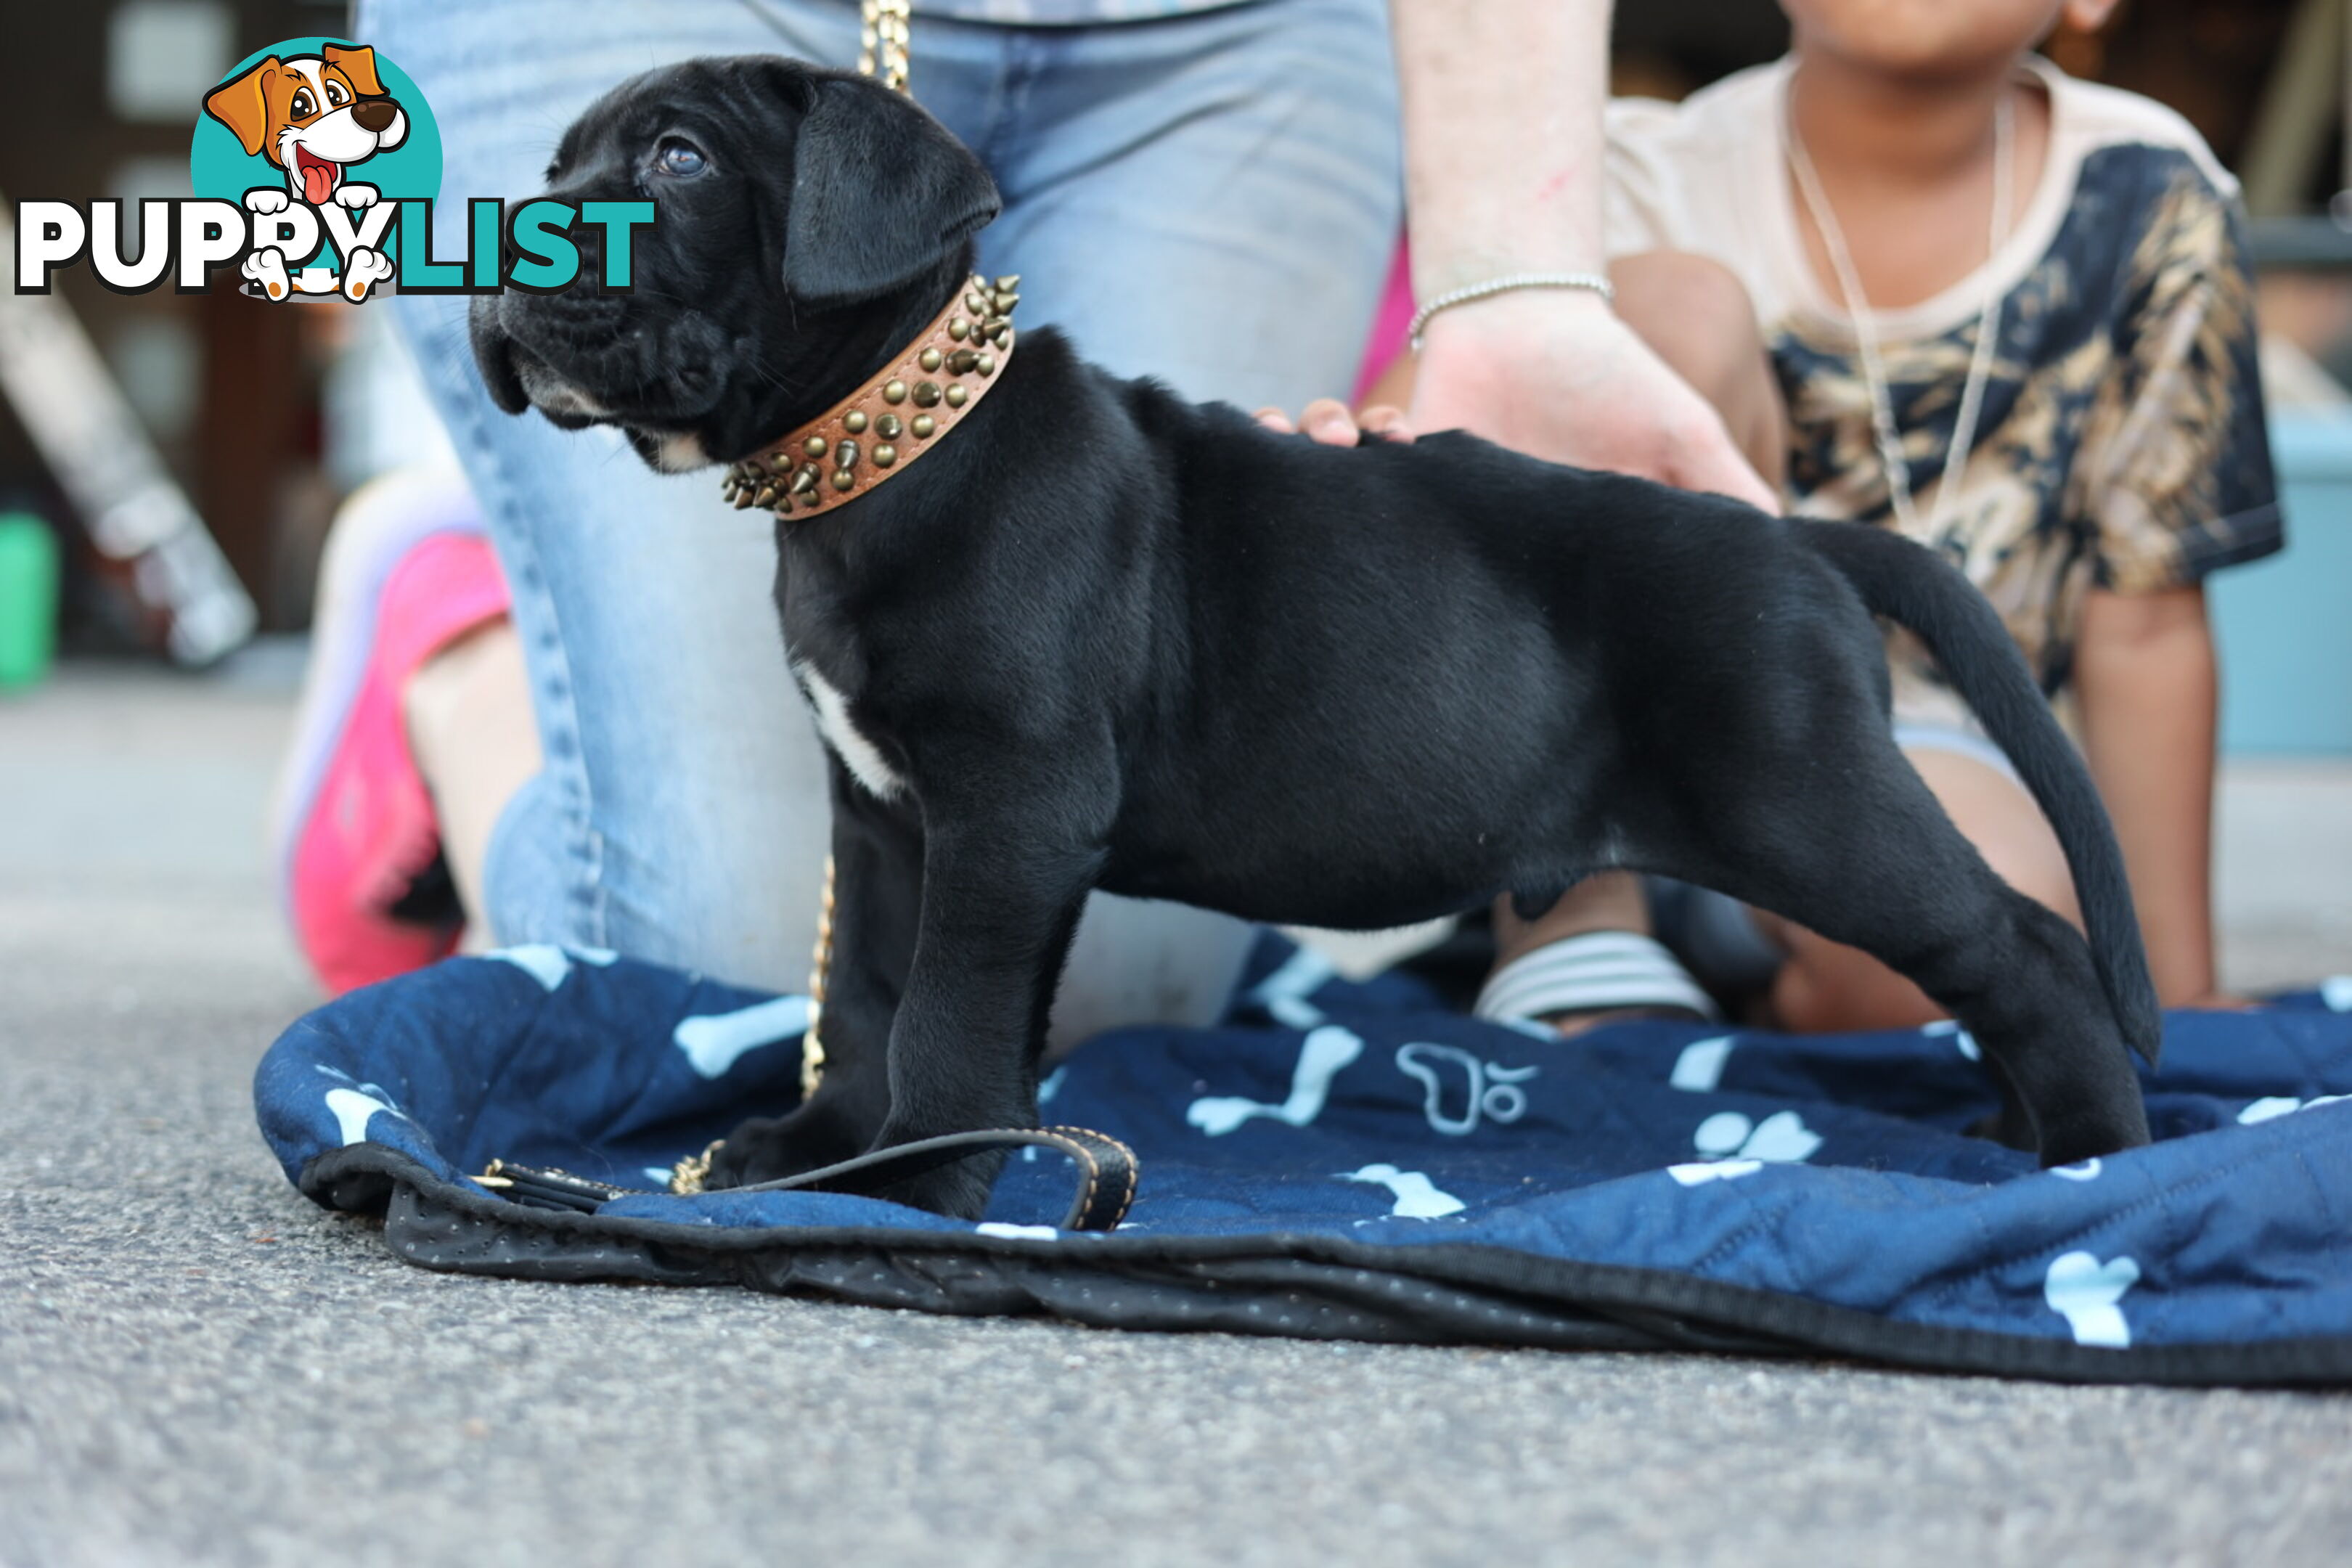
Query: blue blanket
[{"x": 1351, "y": 1160}]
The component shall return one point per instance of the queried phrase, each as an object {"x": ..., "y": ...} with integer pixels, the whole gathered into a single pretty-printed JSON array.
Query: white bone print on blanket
[
  {"x": 1416, "y": 1195},
  {"x": 714, "y": 1042},
  {"x": 548, "y": 964},
  {"x": 1284, "y": 992},
  {"x": 352, "y": 1112},
  {"x": 355, "y": 1104},
  {"x": 1320, "y": 1057},
  {"x": 2086, "y": 1293}
]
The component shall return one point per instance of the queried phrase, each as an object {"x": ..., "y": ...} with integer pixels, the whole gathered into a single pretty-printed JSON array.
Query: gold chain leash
[
  {"x": 882, "y": 41},
  {"x": 820, "y": 966}
]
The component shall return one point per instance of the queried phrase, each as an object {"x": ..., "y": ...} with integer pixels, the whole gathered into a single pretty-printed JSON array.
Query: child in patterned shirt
[{"x": 1933, "y": 284}]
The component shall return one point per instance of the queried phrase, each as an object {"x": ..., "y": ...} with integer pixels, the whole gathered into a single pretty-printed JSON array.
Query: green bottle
[{"x": 28, "y": 599}]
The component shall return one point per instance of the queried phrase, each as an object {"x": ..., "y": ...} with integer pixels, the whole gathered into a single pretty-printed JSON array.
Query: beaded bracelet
[{"x": 1591, "y": 280}]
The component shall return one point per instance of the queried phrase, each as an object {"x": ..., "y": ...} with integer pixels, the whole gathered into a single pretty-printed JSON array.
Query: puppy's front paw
[
  {"x": 959, "y": 1191},
  {"x": 769, "y": 1148},
  {"x": 758, "y": 1149},
  {"x": 266, "y": 199},
  {"x": 356, "y": 196}
]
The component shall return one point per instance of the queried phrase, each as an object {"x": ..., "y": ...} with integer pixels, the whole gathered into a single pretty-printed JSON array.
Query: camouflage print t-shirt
[{"x": 2121, "y": 444}]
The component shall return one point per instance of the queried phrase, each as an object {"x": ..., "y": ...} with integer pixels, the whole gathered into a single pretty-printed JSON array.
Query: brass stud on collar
[{"x": 779, "y": 477}]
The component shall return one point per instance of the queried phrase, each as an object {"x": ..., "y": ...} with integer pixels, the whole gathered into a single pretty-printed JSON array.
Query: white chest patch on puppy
[
  {"x": 859, "y": 755},
  {"x": 680, "y": 453}
]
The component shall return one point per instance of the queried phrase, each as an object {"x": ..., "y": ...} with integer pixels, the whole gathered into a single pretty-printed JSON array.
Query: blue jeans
[{"x": 1210, "y": 199}]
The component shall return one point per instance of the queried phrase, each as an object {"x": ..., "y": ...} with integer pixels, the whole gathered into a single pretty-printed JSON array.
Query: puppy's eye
[
  {"x": 336, "y": 95},
  {"x": 679, "y": 159},
  {"x": 304, "y": 105}
]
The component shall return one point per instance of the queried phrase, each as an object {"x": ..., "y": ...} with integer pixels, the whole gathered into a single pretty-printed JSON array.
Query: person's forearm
[
  {"x": 1501, "y": 136},
  {"x": 2149, "y": 688},
  {"x": 1503, "y": 173}
]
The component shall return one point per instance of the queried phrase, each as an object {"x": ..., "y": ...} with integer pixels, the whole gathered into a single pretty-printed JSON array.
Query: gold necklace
[{"x": 1865, "y": 336}]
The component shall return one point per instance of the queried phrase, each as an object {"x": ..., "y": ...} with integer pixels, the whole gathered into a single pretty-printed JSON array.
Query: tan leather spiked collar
[{"x": 893, "y": 419}]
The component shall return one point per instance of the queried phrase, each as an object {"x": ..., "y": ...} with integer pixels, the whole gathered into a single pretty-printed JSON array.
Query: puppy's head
[
  {"x": 807, "y": 222},
  {"x": 311, "y": 114}
]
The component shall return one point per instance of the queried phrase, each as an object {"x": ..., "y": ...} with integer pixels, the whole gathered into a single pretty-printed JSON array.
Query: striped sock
[{"x": 1599, "y": 971}]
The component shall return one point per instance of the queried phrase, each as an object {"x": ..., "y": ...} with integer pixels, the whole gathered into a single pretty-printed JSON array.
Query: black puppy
[{"x": 1103, "y": 637}]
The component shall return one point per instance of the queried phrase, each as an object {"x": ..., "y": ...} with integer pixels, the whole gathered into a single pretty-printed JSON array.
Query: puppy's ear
[
  {"x": 881, "y": 193},
  {"x": 358, "y": 64},
  {"x": 243, "y": 105}
]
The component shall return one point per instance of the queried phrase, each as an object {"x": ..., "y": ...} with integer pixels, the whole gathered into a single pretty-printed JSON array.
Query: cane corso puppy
[{"x": 1104, "y": 638}]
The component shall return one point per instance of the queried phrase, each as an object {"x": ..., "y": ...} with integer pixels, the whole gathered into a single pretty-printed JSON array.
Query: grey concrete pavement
[{"x": 198, "y": 1366}]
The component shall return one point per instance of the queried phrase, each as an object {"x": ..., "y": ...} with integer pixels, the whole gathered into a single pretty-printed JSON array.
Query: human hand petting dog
[
  {"x": 1558, "y": 376},
  {"x": 1552, "y": 373}
]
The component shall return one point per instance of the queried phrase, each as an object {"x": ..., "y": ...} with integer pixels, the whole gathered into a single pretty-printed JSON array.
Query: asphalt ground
[{"x": 196, "y": 1365}]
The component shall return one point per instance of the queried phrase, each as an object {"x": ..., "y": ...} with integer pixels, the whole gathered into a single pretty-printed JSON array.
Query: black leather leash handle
[
  {"x": 1107, "y": 1169},
  {"x": 1107, "y": 1174}
]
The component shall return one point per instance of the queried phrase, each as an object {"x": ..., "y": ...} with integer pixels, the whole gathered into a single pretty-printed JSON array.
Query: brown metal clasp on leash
[{"x": 545, "y": 1187}]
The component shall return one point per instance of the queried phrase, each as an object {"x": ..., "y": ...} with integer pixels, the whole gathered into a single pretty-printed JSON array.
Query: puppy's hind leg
[{"x": 1850, "y": 842}]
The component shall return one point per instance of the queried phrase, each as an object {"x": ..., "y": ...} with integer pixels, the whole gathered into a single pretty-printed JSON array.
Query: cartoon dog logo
[{"x": 313, "y": 116}]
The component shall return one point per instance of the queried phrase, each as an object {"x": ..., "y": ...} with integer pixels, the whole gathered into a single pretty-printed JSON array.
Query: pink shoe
[{"x": 407, "y": 572}]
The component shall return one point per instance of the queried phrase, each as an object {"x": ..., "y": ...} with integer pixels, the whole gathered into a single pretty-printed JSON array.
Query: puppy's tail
[{"x": 1916, "y": 589}]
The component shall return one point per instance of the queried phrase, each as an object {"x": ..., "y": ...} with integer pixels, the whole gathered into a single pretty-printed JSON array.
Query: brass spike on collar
[{"x": 893, "y": 419}]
